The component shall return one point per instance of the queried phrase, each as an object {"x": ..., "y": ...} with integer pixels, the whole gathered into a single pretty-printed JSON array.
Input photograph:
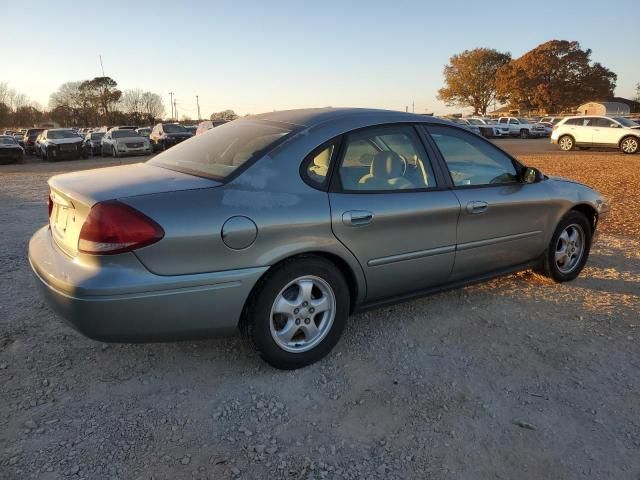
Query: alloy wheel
[
  {"x": 629, "y": 145},
  {"x": 570, "y": 248},
  {"x": 566, "y": 143},
  {"x": 302, "y": 314}
]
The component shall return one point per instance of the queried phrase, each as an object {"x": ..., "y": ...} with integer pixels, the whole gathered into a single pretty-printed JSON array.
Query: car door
[
  {"x": 502, "y": 221},
  {"x": 389, "y": 209},
  {"x": 606, "y": 132}
]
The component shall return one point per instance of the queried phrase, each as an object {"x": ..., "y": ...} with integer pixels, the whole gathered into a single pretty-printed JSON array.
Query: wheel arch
[
  {"x": 589, "y": 211},
  {"x": 629, "y": 135},
  {"x": 355, "y": 282}
]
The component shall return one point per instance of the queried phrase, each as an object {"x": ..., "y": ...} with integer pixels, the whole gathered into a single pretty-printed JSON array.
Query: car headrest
[
  {"x": 387, "y": 165},
  {"x": 322, "y": 159}
]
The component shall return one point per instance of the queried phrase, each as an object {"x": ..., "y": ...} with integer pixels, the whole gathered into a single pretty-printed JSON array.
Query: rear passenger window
[
  {"x": 385, "y": 159},
  {"x": 318, "y": 167},
  {"x": 472, "y": 160}
]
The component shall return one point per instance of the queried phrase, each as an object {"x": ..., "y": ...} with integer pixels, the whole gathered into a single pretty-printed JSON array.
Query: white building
[{"x": 603, "y": 108}]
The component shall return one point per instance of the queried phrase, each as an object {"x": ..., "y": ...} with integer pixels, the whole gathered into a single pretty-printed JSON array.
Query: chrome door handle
[
  {"x": 356, "y": 218},
  {"x": 477, "y": 207}
]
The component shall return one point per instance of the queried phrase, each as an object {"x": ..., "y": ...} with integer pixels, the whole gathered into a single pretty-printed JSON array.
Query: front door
[
  {"x": 386, "y": 209},
  {"x": 502, "y": 220}
]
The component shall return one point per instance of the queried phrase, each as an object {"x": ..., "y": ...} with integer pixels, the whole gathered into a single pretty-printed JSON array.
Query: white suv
[{"x": 595, "y": 131}]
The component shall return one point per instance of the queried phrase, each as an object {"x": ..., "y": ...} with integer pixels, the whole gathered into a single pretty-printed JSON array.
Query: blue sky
[{"x": 256, "y": 56}]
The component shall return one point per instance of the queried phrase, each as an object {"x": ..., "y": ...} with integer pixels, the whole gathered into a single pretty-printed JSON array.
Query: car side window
[
  {"x": 385, "y": 159},
  {"x": 575, "y": 122},
  {"x": 513, "y": 121},
  {"x": 317, "y": 166},
  {"x": 602, "y": 122},
  {"x": 471, "y": 160}
]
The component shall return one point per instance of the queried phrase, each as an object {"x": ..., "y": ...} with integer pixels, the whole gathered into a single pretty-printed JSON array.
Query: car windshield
[
  {"x": 523, "y": 120},
  {"x": 59, "y": 134},
  {"x": 124, "y": 134},
  {"x": 7, "y": 140},
  {"x": 625, "y": 122},
  {"x": 222, "y": 150},
  {"x": 173, "y": 128},
  {"x": 144, "y": 131},
  {"x": 97, "y": 136},
  {"x": 475, "y": 121}
]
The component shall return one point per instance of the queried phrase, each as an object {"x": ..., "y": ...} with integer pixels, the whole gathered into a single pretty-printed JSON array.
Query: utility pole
[
  {"x": 101, "y": 66},
  {"x": 413, "y": 106},
  {"x": 198, "y": 103},
  {"x": 171, "y": 103},
  {"x": 175, "y": 108}
]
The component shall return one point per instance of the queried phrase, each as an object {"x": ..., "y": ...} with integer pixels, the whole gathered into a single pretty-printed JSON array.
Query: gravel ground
[{"x": 516, "y": 378}]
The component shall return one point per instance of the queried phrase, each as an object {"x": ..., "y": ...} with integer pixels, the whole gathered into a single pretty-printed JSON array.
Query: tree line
[
  {"x": 554, "y": 77},
  {"x": 93, "y": 102}
]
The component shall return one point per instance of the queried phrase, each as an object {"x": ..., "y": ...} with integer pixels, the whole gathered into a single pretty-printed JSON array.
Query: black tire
[
  {"x": 549, "y": 266},
  {"x": 49, "y": 157},
  {"x": 524, "y": 133},
  {"x": 256, "y": 323},
  {"x": 630, "y": 145},
  {"x": 567, "y": 143}
]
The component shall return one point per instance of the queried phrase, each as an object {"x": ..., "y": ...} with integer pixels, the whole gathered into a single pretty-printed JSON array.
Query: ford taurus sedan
[{"x": 283, "y": 224}]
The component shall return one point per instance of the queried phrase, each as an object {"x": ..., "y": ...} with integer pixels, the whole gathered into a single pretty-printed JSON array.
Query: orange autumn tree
[
  {"x": 554, "y": 77},
  {"x": 470, "y": 79}
]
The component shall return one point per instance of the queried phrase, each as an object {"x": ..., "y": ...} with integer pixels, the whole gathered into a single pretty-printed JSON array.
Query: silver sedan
[{"x": 283, "y": 224}]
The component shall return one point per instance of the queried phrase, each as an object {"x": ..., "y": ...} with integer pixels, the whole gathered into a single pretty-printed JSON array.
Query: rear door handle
[
  {"x": 477, "y": 207},
  {"x": 356, "y": 218}
]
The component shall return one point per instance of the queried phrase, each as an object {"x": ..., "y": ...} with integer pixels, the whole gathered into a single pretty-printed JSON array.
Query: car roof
[{"x": 310, "y": 117}]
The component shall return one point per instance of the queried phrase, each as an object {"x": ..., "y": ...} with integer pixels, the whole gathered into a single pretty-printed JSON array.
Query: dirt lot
[{"x": 517, "y": 378}]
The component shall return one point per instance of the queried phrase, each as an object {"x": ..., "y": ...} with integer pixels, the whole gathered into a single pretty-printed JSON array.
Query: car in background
[
  {"x": 166, "y": 135},
  {"x": 10, "y": 150},
  {"x": 191, "y": 129},
  {"x": 489, "y": 128},
  {"x": 208, "y": 125},
  {"x": 518, "y": 127},
  {"x": 551, "y": 120},
  {"x": 585, "y": 131},
  {"x": 123, "y": 127},
  {"x": 61, "y": 144},
  {"x": 466, "y": 124},
  {"x": 144, "y": 131},
  {"x": 93, "y": 143},
  {"x": 543, "y": 129},
  {"x": 283, "y": 224},
  {"x": 124, "y": 142},
  {"x": 19, "y": 137}
]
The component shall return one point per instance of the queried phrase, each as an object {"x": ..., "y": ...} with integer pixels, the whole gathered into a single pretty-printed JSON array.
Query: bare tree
[
  {"x": 152, "y": 106},
  {"x": 132, "y": 103}
]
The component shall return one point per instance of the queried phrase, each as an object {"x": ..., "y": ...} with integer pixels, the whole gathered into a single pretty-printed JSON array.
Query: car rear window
[{"x": 220, "y": 151}]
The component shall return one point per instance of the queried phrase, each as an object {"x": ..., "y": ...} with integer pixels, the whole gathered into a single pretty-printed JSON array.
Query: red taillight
[
  {"x": 49, "y": 204},
  {"x": 113, "y": 227}
]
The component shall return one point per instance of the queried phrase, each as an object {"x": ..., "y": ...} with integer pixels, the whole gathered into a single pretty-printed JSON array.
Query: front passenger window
[{"x": 472, "y": 160}]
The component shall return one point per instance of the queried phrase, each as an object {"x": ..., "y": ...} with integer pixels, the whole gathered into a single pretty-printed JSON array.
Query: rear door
[
  {"x": 389, "y": 209},
  {"x": 606, "y": 132},
  {"x": 502, "y": 221}
]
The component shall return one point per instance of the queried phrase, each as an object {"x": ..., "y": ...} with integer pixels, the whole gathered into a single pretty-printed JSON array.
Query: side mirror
[
  {"x": 532, "y": 175},
  {"x": 614, "y": 125}
]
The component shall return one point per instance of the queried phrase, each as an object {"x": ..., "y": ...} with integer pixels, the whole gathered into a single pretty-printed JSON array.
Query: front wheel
[
  {"x": 568, "y": 251},
  {"x": 298, "y": 312},
  {"x": 629, "y": 145},
  {"x": 566, "y": 143}
]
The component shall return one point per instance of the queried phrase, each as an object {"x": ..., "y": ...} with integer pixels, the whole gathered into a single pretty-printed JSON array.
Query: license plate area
[{"x": 60, "y": 215}]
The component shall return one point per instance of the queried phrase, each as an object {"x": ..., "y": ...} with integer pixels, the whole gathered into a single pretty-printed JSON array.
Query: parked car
[
  {"x": 282, "y": 224},
  {"x": 489, "y": 128},
  {"x": 93, "y": 143},
  {"x": 123, "y": 127},
  {"x": 518, "y": 127},
  {"x": 191, "y": 129},
  {"x": 166, "y": 135},
  {"x": 144, "y": 131},
  {"x": 551, "y": 120},
  {"x": 208, "y": 125},
  {"x": 19, "y": 138},
  {"x": 10, "y": 150},
  {"x": 587, "y": 131},
  {"x": 124, "y": 142},
  {"x": 543, "y": 129},
  {"x": 60, "y": 143},
  {"x": 466, "y": 124}
]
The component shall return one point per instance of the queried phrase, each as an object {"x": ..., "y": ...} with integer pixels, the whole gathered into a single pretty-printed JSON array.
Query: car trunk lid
[{"x": 73, "y": 194}]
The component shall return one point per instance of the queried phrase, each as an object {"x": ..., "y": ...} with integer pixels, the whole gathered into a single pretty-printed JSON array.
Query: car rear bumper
[{"x": 124, "y": 302}]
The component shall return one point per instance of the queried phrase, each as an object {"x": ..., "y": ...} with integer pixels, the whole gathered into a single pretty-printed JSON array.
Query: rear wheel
[
  {"x": 569, "y": 248},
  {"x": 298, "y": 312},
  {"x": 629, "y": 145},
  {"x": 566, "y": 143}
]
